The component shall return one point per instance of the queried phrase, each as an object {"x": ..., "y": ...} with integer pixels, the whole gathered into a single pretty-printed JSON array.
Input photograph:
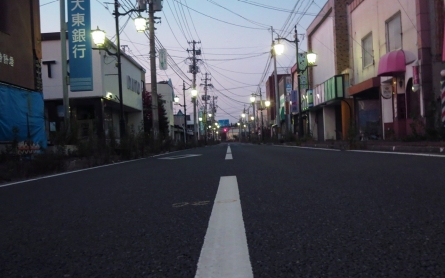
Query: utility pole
[
  {"x": 205, "y": 103},
  {"x": 262, "y": 123},
  {"x": 248, "y": 124},
  {"x": 300, "y": 118},
  {"x": 194, "y": 71},
  {"x": 119, "y": 70},
  {"x": 213, "y": 114},
  {"x": 185, "y": 113},
  {"x": 254, "y": 116},
  {"x": 154, "y": 89},
  {"x": 277, "y": 96}
]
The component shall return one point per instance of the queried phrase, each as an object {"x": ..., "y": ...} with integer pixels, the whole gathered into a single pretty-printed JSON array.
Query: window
[
  {"x": 367, "y": 51},
  {"x": 394, "y": 33}
]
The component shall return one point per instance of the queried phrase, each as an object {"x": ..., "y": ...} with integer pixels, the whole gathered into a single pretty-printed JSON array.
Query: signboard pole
[{"x": 63, "y": 30}]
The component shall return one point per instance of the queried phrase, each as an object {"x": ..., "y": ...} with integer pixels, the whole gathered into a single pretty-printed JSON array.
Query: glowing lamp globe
[{"x": 98, "y": 37}]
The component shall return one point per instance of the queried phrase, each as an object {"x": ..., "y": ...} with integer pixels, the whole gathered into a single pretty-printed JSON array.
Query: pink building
[{"x": 396, "y": 58}]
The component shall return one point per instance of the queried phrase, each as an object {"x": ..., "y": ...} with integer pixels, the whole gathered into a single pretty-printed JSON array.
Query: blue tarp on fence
[{"x": 23, "y": 110}]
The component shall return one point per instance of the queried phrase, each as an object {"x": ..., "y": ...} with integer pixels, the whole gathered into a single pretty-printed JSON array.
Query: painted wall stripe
[{"x": 225, "y": 252}]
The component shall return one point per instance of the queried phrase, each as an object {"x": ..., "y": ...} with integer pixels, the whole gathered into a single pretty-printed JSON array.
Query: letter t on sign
[{"x": 49, "y": 63}]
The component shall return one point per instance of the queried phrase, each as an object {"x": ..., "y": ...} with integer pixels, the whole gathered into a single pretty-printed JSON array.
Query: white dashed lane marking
[
  {"x": 225, "y": 252},
  {"x": 229, "y": 153}
]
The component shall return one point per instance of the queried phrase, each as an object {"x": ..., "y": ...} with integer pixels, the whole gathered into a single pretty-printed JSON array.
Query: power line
[
  {"x": 220, "y": 19},
  {"x": 49, "y": 3},
  {"x": 251, "y": 21}
]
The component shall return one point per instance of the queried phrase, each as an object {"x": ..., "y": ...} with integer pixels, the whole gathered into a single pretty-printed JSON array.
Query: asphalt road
[{"x": 306, "y": 213}]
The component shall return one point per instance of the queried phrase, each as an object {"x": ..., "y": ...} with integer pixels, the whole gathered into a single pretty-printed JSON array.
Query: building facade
[
  {"x": 97, "y": 111},
  {"x": 325, "y": 98},
  {"x": 21, "y": 98},
  {"x": 272, "y": 112},
  {"x": 378, "y": 72},
  {"x": 396, "y": 68},
  {"x": 165, "y": 90}
]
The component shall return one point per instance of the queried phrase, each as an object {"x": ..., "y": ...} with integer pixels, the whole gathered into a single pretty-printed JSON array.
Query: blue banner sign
[
  {"x": 294, "y": 99},
  {"x": 223, "y": 123},
  {"x": 80, "y": 52}
]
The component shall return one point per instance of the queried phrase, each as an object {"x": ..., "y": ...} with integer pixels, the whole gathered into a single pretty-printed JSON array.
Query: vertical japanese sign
[
  {"x": 294, "y": 99},
  {"x": 288, "y": 84},
  {"x": 80, "y": 52},
  {"x": 302, "y": 65},
  {"x": 162, "y": 59}
]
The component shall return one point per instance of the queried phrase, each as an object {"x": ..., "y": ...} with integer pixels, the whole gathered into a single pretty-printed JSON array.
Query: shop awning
[
  {"x": 392, "y": 63},
  {"x": 365, "y": 85}
]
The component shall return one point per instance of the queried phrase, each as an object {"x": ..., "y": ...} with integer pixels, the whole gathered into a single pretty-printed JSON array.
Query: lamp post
[
  {"x": 252, "y": 100},
  {"x": 209, "y": 120},
  {"x": 185, "y": 110},
  {"x": 99, "y": 40},
  {"x": 194, "y": 94},
  {"x": 311, "y": 58},
  {"x": 261, "y": 108},
  {"x": 267, "y": 103},
  {"x": 243, "y": 115}
]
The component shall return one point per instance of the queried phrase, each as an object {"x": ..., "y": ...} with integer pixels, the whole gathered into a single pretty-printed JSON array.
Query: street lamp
[
  {"x": 98, "y": 37},
  {"x": 252, "y": 100},
  {"x": 275, "y": 52},
  {"x": 141, "y": 24},
  {"x": 185, "y": 109},
  {"x": 194, "y": 94},
  {"x": 99, "y": 40},
  {"x": 176, "y": 99},
  {"x": 311, "y": 59}
]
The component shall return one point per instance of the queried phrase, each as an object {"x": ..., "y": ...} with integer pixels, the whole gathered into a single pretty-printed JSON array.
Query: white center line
[
  {"x": 229, "y": 153},
  {"x": 225, "y": 252}
]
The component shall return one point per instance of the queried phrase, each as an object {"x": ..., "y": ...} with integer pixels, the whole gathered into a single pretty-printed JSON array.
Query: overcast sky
[{"x": 235, "y": 41}]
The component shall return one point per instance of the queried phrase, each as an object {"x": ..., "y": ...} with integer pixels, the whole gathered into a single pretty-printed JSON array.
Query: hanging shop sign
[
  {"x": 294, "y": 100},
  {"x": 387, "y": 91},
  {"x": 162, "y": 59}
]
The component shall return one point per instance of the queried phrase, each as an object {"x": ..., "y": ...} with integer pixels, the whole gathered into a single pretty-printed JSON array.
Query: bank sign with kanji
[{"x": 80, "y": 51}]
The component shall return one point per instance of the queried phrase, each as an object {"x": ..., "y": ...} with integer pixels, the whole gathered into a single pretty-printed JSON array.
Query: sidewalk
[{"x": 385, "y": 146}]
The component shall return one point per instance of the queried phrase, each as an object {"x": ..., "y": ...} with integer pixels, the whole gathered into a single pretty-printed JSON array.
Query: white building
[
  {"x": 165, "y": 90},
  {"x": 96, "y": 110}
]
